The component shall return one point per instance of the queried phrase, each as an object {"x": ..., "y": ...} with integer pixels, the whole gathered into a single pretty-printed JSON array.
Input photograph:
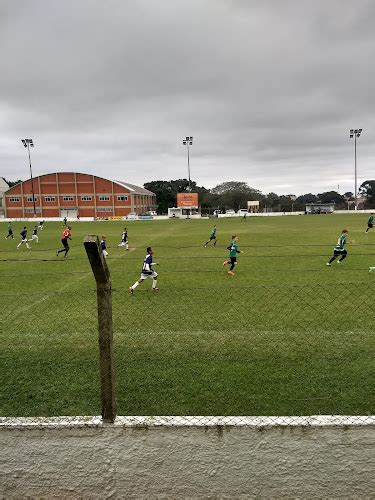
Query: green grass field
[{"x": 285, "y": 336}]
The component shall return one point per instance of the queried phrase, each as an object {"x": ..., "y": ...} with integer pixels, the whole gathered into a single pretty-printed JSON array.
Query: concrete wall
[{"x": 187, "y": 461}]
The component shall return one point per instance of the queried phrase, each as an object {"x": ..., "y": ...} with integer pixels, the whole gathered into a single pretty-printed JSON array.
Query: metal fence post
[{"x": 104, "y": 300}]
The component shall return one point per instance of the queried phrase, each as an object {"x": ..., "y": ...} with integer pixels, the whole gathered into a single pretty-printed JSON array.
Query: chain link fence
[{"x": 229, "y": 350}]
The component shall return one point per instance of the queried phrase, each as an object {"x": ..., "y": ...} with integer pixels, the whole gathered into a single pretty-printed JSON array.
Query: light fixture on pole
[
  {"x": 29, "y": 143},
  {"x": 355, "y": 133},
  {"x": 188, "y": 141}
]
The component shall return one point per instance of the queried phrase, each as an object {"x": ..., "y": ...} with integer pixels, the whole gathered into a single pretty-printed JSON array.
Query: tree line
[{"x": 233, "y": 195}]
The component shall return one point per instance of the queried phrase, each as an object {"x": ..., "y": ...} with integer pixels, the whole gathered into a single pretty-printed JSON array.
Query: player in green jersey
[
  {"x": 339, "y": 249},
  {"x": 370, "y": 223},
  {"x": 10, "y": 232},
  {"x": 233, "y": 251},
  {"x": 212, "y": 237}
]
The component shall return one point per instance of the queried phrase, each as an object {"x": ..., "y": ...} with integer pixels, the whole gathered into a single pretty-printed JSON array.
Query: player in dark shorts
[
  {"x": 212, "y": 237},
  {"x": 10, "y": 232},
  {"x": 370, "y": 223},
  {"x": 339, "y": 250},
  {"x": 233, "y": 251},
  {"x": 66, "y": 235}
]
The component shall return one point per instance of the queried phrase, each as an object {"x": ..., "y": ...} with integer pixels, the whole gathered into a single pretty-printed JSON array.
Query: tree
[
  {"x": 332, "y": 197},
  {"x": 12, "y": 183},
  {"x": 367, "y": 190},
  {"x": 235, "y": 195}
]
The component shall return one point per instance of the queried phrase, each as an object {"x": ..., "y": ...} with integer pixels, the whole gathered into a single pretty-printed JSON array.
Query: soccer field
[{"x": 286, "y": 335}]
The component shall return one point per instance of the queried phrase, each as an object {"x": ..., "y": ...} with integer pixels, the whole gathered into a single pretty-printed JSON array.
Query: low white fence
[{"x": 179, "y": 457}]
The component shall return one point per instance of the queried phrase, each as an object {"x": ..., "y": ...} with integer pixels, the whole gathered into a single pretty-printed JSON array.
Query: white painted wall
[{"x": 187, "y": 461}]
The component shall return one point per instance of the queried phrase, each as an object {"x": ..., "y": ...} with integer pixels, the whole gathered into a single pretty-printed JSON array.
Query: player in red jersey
[{"x": 66, "y": 235}]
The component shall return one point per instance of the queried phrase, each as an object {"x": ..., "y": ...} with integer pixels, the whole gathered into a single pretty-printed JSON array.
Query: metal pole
[
  {"x": 32, "y": 180},
  {"x": 188, "y": 165},
  {"x": 355, "y": 171}
]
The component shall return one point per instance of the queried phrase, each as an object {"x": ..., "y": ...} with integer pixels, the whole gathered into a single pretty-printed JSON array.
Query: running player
[
  {"x": 34, "y": 236},
  {"x": 103, "y": 245},
  {"x": 66, "y": 235},
  {"x": 65, "y": 222},
  {"x": 147, "y": 272},
  {"x": 23, "y": 234},
  {"x": 212, "y": 237},
  {"x": 233, "y": 251},
  {"x": 370, "y": 223},
  {"x": 339, "y": 250},
  {"x": 41, "y": 225},
  {"x": 10, "y": 232},
  {"x": 124, "y": 240}
]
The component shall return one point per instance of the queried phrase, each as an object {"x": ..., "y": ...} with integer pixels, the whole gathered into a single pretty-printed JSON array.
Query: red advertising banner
[{"x": 187, "y": 200}]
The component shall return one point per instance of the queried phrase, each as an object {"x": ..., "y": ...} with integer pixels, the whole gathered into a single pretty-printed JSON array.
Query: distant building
[
  {"x": 70, "y": 194},
  {"x": 320, "y": 208},
  {"x": 3, "y": 187}
]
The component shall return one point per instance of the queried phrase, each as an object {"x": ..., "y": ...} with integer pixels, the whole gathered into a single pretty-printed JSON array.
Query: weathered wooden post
[{"x": 104, "y": 298}]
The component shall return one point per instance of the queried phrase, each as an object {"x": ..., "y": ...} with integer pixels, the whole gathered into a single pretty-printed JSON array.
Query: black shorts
[
  {"x": 212, "y": 238},
  {"x": 65, "y": 243},
  {"x": 336, "y": 253},
  {"x": 233, "y": 260},
  {"x": 370, "y": 226}
]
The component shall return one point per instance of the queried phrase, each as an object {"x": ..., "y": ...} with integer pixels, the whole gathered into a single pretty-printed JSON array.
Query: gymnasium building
[{"x": 68, "y": 194}]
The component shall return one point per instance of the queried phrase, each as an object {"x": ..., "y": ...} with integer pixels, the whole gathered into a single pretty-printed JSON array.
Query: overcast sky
[{"x": 268, "y": 88}]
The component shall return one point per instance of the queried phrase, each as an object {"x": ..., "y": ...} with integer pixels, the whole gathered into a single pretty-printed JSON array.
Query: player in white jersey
[
  {"x": 147, "y": 272},
  {"x": 34, "y": 236},
  {"x": 124, "y": 240}
]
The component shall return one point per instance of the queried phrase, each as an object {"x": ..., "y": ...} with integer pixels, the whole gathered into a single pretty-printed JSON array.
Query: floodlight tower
[
  {"x": 355, "y": 133},
  {"x": 29, "y": 143},
  {"x": 188, "y": 141}
]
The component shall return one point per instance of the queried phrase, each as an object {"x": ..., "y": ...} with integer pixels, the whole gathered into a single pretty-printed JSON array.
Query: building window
[
  {"x": 14, "y": 199},
  {"x": 31, "y": 210},
  {"x": 86, "y": 198},
  {"x": 68, "y": 198},
  {"x": 104, "y": 209},
  {"x": 122, "y": 198},
  {"x": 104, "y": 197},
  {"x": 49, "y": 198},
  {"x": 30, "y": 198}
]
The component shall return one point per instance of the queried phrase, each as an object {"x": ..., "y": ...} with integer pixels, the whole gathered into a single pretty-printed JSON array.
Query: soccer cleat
[
  {"x": 155, "y": 289},
  {"x": 225, "y": 262},
  {"x": 339, "y": 262},
  {"x": 57, "y": 253},
  {"x": 328, "y": 264},
  {"x": 231, "y": 273},
  {"x": 130, "y": 290}
]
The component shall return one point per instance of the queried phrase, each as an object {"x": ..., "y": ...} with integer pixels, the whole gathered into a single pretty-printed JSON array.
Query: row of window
[{"x": 103, "y": 197}]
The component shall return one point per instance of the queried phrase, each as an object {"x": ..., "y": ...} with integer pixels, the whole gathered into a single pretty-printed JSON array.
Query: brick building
[{"x": 69, "y": 193}]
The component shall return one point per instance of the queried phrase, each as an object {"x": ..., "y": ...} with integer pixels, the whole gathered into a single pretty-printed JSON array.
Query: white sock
[
  {"x": 135, "y": 285},
  {"x": 154, "y": 282}
]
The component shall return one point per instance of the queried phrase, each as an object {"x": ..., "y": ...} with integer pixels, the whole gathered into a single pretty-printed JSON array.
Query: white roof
[
  {"x": 134, "y": 189},
  {"x": 3, "y": 185}
]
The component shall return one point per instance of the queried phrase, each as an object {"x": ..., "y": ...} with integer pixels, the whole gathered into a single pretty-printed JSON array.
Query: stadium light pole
[
  {"x": 188, "y": 141},
  {"x": 29, "y": 143},
  {"x": 355, "y": 133}
]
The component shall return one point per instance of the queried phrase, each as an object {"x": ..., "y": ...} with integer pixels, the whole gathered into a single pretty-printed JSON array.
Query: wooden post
[{"x": 104, "y": 298}]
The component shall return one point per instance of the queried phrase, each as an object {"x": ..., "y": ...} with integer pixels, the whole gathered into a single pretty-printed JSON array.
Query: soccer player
[
  {"x": 41, "y": 225},
  {"x": 66, "y": 235},
  {"x": 339, "y": 250},
  {"x": 212, "y": 237},
  {"x": 103, "y": 245},
  {"x": 34, "y": 236},
  {"x": 124, "y": 240},
  {"x": 23, "y": 234},
  {"x": 370, "y": 223},
  {"x": 147, "y": 272},
  {"x": 10, "y": 232},
  {"x": 233, "y": 251},
  {"x": 65, "y": 222}
]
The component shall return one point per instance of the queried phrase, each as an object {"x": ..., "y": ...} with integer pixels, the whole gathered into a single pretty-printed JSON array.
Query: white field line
[
  {"x": 191, "y": 421},
  {"x": 30, "y": 305}
]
